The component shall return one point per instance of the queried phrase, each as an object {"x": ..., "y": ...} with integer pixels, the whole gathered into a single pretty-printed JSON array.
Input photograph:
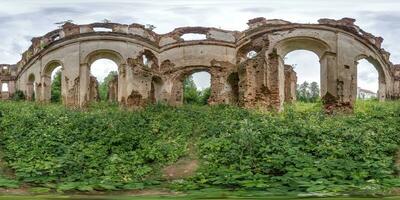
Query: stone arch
[
  {"x": 315, "y": 45},
  {"x": 46, "y": 79},
  {"x": 326, "y": 57},
  {"x": 50, "y": 66},
  {"x": 89, "y": 84},
  {"x": 104, "y": 54},
  {"x": 382, "y": 77},
  {"x": 255, "y": 46},
  {"x": 181, "y": 75},
  {"x": 148, "y": 59}
]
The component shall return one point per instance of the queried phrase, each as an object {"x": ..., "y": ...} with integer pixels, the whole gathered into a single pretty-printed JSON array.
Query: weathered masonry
[{"x": 246, "y": 68}]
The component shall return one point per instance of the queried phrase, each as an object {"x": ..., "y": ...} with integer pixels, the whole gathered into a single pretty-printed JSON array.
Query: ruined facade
[{"x": 152, "y": 67}]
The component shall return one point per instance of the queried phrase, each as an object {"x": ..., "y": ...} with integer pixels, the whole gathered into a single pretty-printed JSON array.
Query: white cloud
[
  {"x": 202, "y": 80},
  {"x": 306, "y": 65},
  {"x": 367, "y": 76},
  {"x": 102, "y": 67}
]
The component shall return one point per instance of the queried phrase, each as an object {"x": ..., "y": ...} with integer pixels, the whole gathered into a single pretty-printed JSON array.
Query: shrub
[
  {"x": 18, "y": 96},
  {"x": 300, "y": 149}
]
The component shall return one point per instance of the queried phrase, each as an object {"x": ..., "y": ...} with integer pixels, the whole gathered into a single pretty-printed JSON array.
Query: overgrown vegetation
[
  {"x": 191, "y": 95},
  {"x": 56, "y": 88},
  {"x": 18, "y": 96},
  {"x": 103, "y": 87},
  {"x": 308, "y": 92},
  {"x": 299, "y": 150}
]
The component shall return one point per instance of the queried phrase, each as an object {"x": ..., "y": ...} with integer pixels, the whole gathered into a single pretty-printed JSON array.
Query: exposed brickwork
[{"x": 247, "y": 68}]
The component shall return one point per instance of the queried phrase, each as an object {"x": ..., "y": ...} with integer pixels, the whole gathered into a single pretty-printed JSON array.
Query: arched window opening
[
  {"x": 251, "y": 54},
  {"x": 149, "y": 60},
  {"x": 103, "y": 85},
  {"x": 367, "y": 80},
  {"x": 56, "y": 37},
  {"x": 4, "y": 87},
  {"x": 145, "y": 61},
  {"x": 302, "y": 76},
  {"x": 5, "y": 67},
  {"x": 193, "y": 36},
  {"x": 233, "y": 83},
  {"x": 197, "y": 88}
]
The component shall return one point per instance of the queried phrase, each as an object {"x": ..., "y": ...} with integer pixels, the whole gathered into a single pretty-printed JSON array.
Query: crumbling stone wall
[
  {"x": 396, "y": 85},
  {"x": 94, "y": 90},
  {"x": 290, "y": 84},
  {"x": 112, "y": 94},
  {"x": 152, "y": 66}
]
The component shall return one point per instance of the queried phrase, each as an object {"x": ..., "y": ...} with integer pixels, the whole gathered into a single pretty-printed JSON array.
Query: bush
[
  {"x": 300, "y": 150},
  {"x": 18, "y": 96}
]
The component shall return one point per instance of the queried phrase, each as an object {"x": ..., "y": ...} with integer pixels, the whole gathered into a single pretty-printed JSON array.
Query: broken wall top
[{"x": 70, "y": 30}]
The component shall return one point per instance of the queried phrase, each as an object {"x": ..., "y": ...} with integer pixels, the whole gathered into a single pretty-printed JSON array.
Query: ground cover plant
[{"x": 105, "y": 148}]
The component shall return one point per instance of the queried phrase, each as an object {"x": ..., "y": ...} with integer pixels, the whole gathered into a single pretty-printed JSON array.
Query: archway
[
  {"x": 307, "y": 49},
  {"x": 31, "y": 88},
  {"x": 103, "y": 85},
  {"x": 52, "y": 79},
  {"x": 101, "y": 75},
  {"x": 196, "y": 87},
  {"x": 302, "y": 76},
  {"x": 368, "y": 79}
]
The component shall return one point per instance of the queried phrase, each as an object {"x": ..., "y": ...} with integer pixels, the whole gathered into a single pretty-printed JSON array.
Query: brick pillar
[{"x": 290, "y": 84}]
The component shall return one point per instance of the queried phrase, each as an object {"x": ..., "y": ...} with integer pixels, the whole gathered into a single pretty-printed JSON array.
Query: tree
[
  {"x": 205, "y": 95},
  {"x": 103, "y": 88},
  {"x": 190, "y": 93},
  {"x": 307, "y": 92},
  {"x": 56, "y": 88},
  {"x": 303, "y": 93},
  {"x": 314, "y": 91}
]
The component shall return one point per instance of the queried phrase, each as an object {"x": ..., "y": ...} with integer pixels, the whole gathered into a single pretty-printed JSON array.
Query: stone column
[
  {"x": 121, "y": 83},
  {"x": 46, "y": 89},
  {"x": 176, "y": 95},
  {"x": 247, "y": 84},
  {"x": 382, "y": 91},
  {"x": 275, "y": 77},
  {"x": 335, "y": 91},
  {"x": 112, "y": 94},
  {"x": 290, "y": 84},
  {"x": 217, "y": 87},
  {"x": 396, "y": 82},
  {"x": 84, "y": 76},
  {"x": 29, "y": 91},
  {"x": 11, "y": 88}
]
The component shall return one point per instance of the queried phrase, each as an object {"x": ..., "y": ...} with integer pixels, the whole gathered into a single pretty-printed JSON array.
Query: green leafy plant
[
  {"x": 18, "y": 95},
  {"x": 298, "y": 150}
]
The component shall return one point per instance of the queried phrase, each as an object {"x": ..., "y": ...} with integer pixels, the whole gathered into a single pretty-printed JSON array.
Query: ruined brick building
[{"x": 152, "y": 67}]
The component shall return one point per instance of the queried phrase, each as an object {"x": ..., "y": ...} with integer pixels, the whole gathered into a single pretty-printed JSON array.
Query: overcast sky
[{"x": 21, "y": 20}]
